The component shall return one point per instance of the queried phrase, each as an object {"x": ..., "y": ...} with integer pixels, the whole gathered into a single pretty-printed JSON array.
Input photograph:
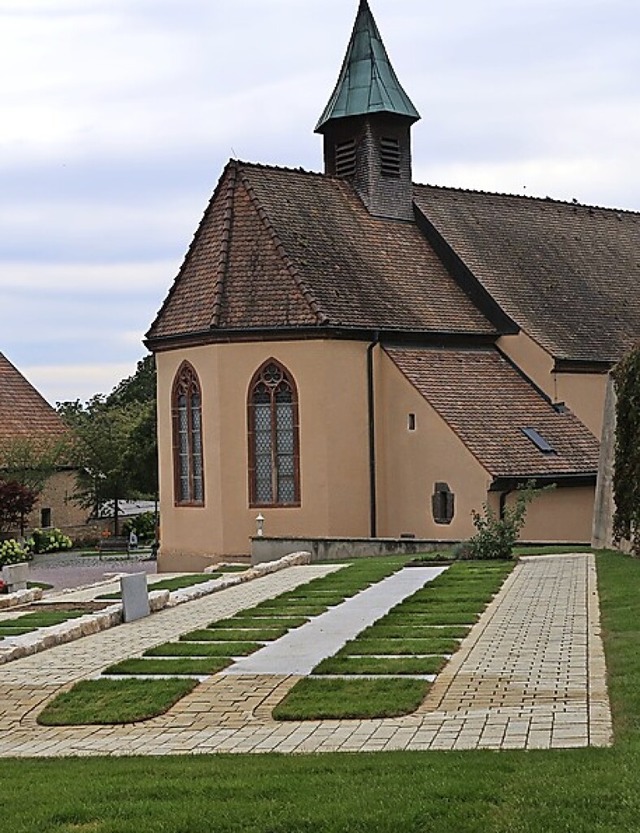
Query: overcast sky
[{"x": 117, "y": 117}]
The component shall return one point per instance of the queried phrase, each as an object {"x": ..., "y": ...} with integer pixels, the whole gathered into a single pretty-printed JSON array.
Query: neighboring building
[
  {"x": 353, "y": 355},
  {"x": 25, "y": 415}
]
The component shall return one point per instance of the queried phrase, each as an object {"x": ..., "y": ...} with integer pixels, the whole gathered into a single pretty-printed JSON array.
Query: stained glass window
[
  {"x": 274, "y": 467},
  {"x": 187, "y": 437}
]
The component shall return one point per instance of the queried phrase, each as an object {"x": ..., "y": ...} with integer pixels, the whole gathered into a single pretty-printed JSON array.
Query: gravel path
[{"x": 64, "y": 570}]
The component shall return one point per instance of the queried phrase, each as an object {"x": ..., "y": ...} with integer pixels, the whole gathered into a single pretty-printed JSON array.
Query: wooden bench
[{"x": 114, "y": 546}]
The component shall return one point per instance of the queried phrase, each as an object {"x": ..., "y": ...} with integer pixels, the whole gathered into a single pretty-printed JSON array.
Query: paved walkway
[{"x": 531, "y": 674}]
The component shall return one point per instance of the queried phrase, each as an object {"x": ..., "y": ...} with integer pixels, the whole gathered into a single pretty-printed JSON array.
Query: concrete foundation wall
[{"x": 339, "y": 549}]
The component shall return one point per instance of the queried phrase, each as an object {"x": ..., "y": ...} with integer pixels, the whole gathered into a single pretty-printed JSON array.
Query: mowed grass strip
[
  {"x": 435, "y": 618},
  {"x": 207, "y": 635},
  {"x": 399, "y": 646},
  {"x": 195, "y": 667},
  {"x": 15, "y": 631},
  {"x": 203, "y": 649},
  {"x": 237, "y": 635},
  {"x": 415, "y": 632},
  {"x": 299, "y": 609},
  {"x": 41, "y": 619},
  {"x": 251, "y": 620},
  {"x": 108, "y": 702},
  {"x": 380, "y": 665},
  {"x": 317, "y": 699}
]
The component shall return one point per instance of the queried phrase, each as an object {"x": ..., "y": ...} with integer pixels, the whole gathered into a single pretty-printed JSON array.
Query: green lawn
[
  {"x": 203, "y": 649},
  {"x": 236, "y": 634},
  {"x": 380, "y": 665},
  {"x": 399, "y": 646},
  {"x": 114, "y": 701},
  {"x": 560, "y": 791},
  {"x": 312, "y": 699},
  {"x": 182, "y": 665}
]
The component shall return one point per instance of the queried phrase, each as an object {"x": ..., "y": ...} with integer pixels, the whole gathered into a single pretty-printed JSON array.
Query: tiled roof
[
  {"x": 568, "y": 274},
  {"x": 23, "y": 412},
  {"x": 282, "y": 248},
  {"x": 367, "y": 82},
  {"x": 487, "y": 403}
]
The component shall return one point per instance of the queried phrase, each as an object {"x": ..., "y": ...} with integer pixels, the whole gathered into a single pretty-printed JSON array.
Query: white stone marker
[
  {"x": 15, "y": 576},
  {"x": 135, "y": 597}
]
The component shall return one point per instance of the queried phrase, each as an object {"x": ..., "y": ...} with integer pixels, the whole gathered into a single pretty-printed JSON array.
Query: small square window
[
  {"x": 411, "y": 422},
  {"x": 45, "y": 518}
]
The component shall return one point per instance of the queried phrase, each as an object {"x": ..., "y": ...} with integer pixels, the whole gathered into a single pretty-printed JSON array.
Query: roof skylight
[{"x": 538, "y": 440}]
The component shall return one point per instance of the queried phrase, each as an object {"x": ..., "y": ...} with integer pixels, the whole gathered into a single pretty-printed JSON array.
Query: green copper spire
[{"x": 367, "y": 82}]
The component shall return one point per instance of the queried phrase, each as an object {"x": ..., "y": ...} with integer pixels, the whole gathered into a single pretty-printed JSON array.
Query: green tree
[
  {"x": 626, "y": 480},
  {"x": 142, "y": 454},
  {"x": 115, "y": 441},
  {"x": 102, "y": 437}
]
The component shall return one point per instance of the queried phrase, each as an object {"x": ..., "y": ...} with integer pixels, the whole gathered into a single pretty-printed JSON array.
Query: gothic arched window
[
  {"x": 186, "y": 409},
  {"x": 274, "y": 446}
]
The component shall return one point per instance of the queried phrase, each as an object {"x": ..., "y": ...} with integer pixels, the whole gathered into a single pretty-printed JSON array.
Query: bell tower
[{"x": 367, "y": 125}]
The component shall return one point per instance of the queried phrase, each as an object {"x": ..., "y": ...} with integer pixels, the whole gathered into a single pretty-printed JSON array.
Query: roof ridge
[
  {"x": 527, "y": 197},
  {"x": 223, "y": 256},
  {"x": 190, "y": 248},
  {"x": 282, "y": 168},
  {"x": 314, "y": 306}
]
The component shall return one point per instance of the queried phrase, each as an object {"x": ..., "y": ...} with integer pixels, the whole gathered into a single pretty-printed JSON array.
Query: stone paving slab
[{"x": 530, "y": 675}]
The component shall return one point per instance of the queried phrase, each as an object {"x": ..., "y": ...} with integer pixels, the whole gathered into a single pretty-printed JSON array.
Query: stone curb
[
  {"x": 33, "y": 643},
  {"x": 295, "y": 559},
  {"x": 20, "y": 597}
]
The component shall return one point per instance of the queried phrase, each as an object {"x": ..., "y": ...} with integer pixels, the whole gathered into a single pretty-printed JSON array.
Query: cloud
[
  {"x": 120, "y": 115},
  {"x": 88, "y": 279},
  {"x": 60, "y": 383}
]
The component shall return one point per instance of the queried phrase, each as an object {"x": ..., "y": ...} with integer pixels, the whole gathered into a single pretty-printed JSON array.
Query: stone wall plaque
[{"x": 135, "y": 597}]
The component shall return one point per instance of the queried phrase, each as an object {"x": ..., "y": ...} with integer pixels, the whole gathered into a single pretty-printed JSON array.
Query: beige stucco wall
[
  {"x": 56, "y": 495},
  {"x": 411, "y": 462},
  {"x": 332, "y": 398},
  {"x": 331, "y": 377},
  {"x": 561, "y": 515},
  {"x": 532, "y": 359},
  {"x": 583, "y": 393}
]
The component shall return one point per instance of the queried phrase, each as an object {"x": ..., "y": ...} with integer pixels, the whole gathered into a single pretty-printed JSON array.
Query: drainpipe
[
  {"x": 373, "y": 507},
  {"x": 503, "y": 502}
]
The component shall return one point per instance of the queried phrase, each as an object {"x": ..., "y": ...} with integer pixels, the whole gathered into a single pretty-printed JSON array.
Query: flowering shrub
[
  {"x": 13, "y": 552},
  {"x": 49, "y": 540}
]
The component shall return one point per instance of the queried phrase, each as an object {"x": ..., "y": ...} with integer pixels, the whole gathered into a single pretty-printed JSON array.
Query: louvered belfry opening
[
  {"x": 345, "y": 158},
  {"x": 390, "y": 157}
]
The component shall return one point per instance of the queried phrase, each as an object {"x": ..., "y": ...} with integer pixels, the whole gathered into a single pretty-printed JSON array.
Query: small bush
[
  {"x": 143, "y": 525},
  {"x": 497, "y": 536},
  {"x": 48, "y": 540},
  {"x": 13, "y": 552}
]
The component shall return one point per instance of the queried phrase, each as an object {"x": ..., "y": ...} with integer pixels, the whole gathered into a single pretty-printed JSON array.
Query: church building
[{"x": 349, "y": 354}]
